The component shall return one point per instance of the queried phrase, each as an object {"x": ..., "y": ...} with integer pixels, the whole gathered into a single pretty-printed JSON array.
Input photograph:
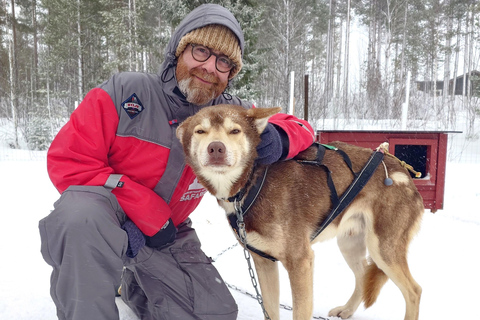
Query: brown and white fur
[{"x": 220, "y": 146}]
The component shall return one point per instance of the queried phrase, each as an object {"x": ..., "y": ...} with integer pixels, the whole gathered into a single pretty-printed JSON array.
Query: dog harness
[
  {"x": 360, "y": 180},
  {"x": 338, "y": 203},
  {"x": 240, "y": 212}
]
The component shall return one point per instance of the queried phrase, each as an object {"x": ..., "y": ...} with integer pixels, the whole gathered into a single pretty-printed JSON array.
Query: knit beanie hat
[{"x": 216, "y": 37}]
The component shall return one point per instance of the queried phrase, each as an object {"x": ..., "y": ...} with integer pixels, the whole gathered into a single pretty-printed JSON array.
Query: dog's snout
[
  {"x": 216, "y": 148},
  {"x": 216, "y": 152}
]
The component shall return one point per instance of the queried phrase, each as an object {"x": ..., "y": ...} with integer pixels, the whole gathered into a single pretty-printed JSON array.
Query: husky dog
[{"x": 220, "y": 146}]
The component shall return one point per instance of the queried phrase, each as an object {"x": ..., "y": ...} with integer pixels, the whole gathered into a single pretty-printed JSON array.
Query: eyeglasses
[{"x": 202, "y": 54}]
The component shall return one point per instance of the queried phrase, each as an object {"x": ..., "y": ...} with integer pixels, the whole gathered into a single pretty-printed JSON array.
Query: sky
[{"x": 444, "y": 257}]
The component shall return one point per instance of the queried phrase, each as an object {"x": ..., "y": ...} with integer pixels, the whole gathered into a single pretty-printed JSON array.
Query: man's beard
[{"x": 195, "y": 91}]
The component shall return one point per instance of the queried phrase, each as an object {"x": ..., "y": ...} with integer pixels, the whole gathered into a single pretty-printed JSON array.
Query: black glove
[
  {"x": 136, "y": 239},
  {"x": 270, "y": 148},
  {"x": 165, "y": 236}
]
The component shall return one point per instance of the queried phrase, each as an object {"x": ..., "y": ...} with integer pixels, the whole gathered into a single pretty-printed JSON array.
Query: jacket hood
[{"x": 201, "y": 16}]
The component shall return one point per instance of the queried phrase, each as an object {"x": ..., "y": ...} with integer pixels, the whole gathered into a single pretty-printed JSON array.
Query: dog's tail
[{"x": 373, "y": 281}]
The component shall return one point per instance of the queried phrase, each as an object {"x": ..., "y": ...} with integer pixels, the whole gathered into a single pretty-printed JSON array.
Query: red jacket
[{"x": 101, "y": 138}]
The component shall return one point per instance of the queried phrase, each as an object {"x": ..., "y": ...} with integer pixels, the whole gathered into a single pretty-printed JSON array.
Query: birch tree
[
  {"x": 473, "y": 105},
  {"x": 12, "y": 53},
  {"x": 346, "y": 60},
  {"x": 329, "y": 64},
  {"x": 4, "y": 60},
  {"x": 79, "y": 52}
]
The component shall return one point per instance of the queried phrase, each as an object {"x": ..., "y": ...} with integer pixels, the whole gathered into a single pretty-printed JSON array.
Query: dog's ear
[
  {"x": 261, "y": 116},
  {"x": 181, "y": 130}
]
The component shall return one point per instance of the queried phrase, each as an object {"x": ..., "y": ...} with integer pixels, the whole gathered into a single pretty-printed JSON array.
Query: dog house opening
[{"x": 414, "y": 155}]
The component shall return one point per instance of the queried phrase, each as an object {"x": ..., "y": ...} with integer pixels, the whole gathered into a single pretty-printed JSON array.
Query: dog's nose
[
  {"x": 216, "y": 148},
  {"x": 216, "y": 152}
]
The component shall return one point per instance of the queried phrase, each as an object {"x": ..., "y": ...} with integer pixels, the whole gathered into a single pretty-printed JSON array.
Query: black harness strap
[
  {"x": 252, "y": 193},
  {"x": 247, "y": 204},
  {"x": 352, "y": 191},
  {"x": 318, "y": 162},
  {"x": 232, "y": 218}
]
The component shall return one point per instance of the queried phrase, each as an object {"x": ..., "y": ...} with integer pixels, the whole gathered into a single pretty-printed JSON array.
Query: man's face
[{"x": 200, "y": 82}]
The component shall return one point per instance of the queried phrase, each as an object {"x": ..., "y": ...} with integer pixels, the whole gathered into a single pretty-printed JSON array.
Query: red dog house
[{"x": 425, "y": 151}]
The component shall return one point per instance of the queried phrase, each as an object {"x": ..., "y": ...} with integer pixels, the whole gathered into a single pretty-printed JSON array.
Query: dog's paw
[{"x": 343, "y": 312}]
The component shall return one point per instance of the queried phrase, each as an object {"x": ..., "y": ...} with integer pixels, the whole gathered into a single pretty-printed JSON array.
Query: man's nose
[{"x": 210, "y": 64}]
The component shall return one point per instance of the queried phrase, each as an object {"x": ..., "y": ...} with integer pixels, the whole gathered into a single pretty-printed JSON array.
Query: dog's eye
[
  {"x": 200, "y": 131},
  {"x": 235, "y": 131}
]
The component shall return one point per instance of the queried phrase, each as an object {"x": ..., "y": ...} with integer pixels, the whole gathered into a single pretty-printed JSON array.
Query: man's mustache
[{"x": 201, "y": 73}]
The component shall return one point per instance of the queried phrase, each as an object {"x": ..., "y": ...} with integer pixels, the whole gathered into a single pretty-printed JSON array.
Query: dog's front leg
[
  {"x": 300, "y": 271},
  {"x": 267, "y": 272}
]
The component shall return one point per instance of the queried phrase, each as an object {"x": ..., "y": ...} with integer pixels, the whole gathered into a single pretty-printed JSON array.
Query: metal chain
[
  {"x": 224, "y": 251},
  {"x": 242, "y": 233}
]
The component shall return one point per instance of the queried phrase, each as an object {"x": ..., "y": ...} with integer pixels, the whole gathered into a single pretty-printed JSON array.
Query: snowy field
[{"x": 444, "y": 257}]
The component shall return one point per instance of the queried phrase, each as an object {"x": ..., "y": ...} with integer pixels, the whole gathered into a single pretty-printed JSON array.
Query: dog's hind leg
[
  {"x": 267, "y": 272},
  {"x": 299, "y": 265},
  {"x": 392, "y": 260},
  {"x": 351, "y": 242}
]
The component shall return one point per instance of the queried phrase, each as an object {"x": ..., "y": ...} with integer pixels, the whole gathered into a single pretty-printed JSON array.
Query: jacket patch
[
  {"x": 132, "y": 106},
  {"x": 195, "y": 191}
]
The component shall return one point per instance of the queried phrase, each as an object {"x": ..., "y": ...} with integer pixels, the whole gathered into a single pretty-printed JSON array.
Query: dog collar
[
  {"x": 249, "y": 200},
  {"x": 252, "y": 195}
]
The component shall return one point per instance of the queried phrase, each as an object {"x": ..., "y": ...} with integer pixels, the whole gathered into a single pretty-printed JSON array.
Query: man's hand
[
  {"x": 165, "y": 236},
  {"x": 270, "y": 149},
  {"x": 136, "y": 239}
]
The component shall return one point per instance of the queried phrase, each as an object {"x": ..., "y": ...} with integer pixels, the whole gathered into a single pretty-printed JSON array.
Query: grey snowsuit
[{"x": 82, "y": 237}]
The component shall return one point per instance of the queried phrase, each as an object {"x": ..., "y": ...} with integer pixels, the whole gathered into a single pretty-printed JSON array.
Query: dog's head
[{"x": 220, "y": 143}]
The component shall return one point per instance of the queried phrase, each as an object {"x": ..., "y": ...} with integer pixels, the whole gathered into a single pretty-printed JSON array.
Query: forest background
[{"x": 352, "y": 60}]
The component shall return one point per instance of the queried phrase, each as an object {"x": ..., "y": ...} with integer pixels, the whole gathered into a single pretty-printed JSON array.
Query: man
[{"x": 126, "y": 193}]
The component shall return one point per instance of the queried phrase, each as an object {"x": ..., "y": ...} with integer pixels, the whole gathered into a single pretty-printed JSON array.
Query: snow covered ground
[{"x": 444, "y": 257}]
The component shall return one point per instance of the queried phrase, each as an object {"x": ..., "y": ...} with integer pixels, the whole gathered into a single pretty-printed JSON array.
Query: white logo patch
[{"x": 195, "y": 191}]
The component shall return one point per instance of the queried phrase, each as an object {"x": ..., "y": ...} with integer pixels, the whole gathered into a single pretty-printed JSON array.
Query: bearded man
[{"x": 126, "y": 194}]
